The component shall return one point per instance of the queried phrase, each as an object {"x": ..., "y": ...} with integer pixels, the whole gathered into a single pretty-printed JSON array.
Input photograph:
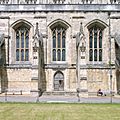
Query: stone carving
[
  {"x": 4, "y": 1},
  {"x": 80, "y": 46},
  {"x": 87, "y": 1},
  {"x": 115, "y": 1},
  {"x": 38, "y": 37},
  {"x": 58, "y": 1},
  {"x": 21, "y": 1},
  {"x": 31, "y": 1},
  {"x": 117, "y": 49},
  {"x": 79, "y": 36},
  {"x": 117, "y": 38}
]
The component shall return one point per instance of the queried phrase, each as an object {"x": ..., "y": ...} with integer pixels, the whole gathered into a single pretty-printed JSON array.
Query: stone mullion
[
  {"x": 17, "y": 48},
  {"x": 93, "y": 46},
  {"x": 52, "y": 46},
  {"x": 19, "y": 45},
  {"x": 102, "y": 44},
  {"x": 98, "y": 33},
  {"x": 56, "y": 43},
  {"x": 61, "y": 43},
  {"x": 24, "y": 49}
]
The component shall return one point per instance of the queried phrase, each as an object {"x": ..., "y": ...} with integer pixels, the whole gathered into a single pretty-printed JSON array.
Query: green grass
[{"x": 42, "y": 111}]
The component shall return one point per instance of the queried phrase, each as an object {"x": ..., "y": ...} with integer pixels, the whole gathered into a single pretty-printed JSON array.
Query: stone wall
[{"x": 21, "y": 75}]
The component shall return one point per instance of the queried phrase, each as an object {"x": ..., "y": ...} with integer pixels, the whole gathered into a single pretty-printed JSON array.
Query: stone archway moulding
[{"x": 19, "y": 22}]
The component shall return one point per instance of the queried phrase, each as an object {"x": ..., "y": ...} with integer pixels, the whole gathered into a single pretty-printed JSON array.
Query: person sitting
[{"x": 99, "y": 92}]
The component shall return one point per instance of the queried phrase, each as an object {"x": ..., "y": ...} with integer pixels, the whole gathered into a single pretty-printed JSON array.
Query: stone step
[
  {"x": 59, "y": 93},
  {"x": 65, "y": 93}
]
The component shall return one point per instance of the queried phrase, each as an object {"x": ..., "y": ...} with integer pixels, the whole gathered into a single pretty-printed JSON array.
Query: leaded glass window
[
  {"x": 58, "y": 36},
  {"x": 22, "y": 44},
  {"x": 95, "y": 43}
]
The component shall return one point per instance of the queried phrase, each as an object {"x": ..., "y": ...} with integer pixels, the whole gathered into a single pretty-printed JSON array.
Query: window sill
[{"x": 58, "y": 62}]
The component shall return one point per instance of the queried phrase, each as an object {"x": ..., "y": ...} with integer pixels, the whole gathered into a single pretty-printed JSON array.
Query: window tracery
[
  {"x": 22, "y": 44},
  {"x": 58, "y": 36},
  {"x": 95, "y": 43}
]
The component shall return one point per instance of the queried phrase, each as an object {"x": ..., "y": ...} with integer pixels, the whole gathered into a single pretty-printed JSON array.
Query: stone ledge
[{"x": 60, "y": 7}]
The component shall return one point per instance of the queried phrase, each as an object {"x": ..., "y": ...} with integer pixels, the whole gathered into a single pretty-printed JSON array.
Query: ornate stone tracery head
[
  {"x": 58, "y": 1},
  {"x": 38, "y": 37}
]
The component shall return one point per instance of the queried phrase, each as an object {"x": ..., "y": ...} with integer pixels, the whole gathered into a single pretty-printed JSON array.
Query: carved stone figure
[{"x": 79, "y": 36}]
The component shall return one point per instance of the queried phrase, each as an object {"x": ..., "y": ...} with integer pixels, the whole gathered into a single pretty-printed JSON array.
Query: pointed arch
[
  {"x": 59, "y": 22},
  {"x": 59, "y": 74},
  {"x": 59, "y": 32},
  {"x": 97, "y": 22},
  {"x": 22, "y": 33},
  {"x": 21, "y": 22},
  {"x": 96, "y": 30}
]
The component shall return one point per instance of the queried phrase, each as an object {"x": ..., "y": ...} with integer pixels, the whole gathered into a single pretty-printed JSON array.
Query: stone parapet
[
  {"x": 59, "y": 2},
  {"x": 60, "y": 8}
]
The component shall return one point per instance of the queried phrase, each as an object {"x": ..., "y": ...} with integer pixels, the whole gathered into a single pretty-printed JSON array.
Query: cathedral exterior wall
[
  {"x": 21, "y": 79},
  {"x": 27, "y": 78},
  {"x": 100, "y": 79}
]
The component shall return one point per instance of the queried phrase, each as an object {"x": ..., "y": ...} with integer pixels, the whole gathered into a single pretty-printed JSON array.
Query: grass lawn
[{"x": 54, "y": 111}]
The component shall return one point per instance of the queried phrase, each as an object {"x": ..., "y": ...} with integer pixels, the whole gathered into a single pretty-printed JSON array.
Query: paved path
[{"x": 55, "y": 98}]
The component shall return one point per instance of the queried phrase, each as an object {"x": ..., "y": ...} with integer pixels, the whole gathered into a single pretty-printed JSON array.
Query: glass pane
[
  {"x": 100, "y": 55},
  {"x": 59, "y": 55},
  {"x": 63, "y": 41},
  {"x": 22, "y": 55},
  {"x": 91, "y": 39},
  {"x": 17, "y": 39},
  {"x": 91, "y": 55},
  {"x": 54, "y": 42},
  {"x": 22, "y": 40},
  {"x": 59, "y": 35},
  {"x": 90, "y": 42},
  {"x": 63, "y": 55},
  {"x": 100, "y": 39},
  {"x": 27, "y": 55},
  {"x": 27, "y": 39},
  {"x": 95, "y": 38},
  {"x": 17, "y": 55},
  {"x": 95, "y": 55},
  {"x": 54, "y": 38},
  {"x": 54, "y": 55}
]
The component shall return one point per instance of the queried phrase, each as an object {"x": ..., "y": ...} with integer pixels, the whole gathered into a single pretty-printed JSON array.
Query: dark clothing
[{"x": 99, "y": 92}]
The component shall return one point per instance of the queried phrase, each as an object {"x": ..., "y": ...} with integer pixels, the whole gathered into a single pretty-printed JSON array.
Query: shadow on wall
[
  {"x": 42, "y": 79},
  {"x": 117, "y": 52},
  {"x": 3, "y": 69}
]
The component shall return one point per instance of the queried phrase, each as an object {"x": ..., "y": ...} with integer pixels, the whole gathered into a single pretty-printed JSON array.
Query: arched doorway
[{"x": 58, "y": 81}]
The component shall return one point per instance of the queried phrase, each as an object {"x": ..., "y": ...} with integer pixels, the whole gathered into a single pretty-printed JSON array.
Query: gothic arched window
[
  {"x": 58, "y": 38},
  {"x": 95, "y": 43},
  {"x": 22, "y": 44}
]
